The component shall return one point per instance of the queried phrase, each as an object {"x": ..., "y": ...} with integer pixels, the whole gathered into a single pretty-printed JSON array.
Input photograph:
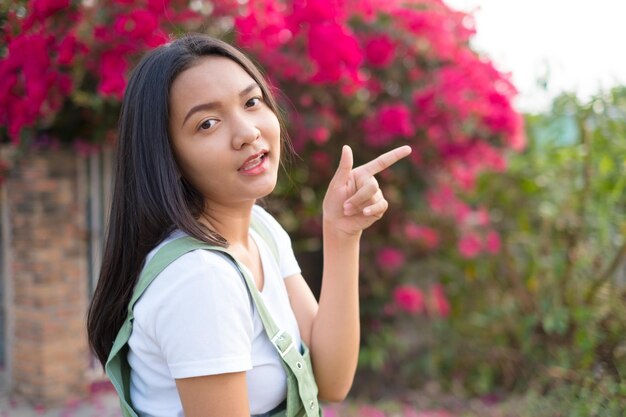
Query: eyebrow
[{"x": 214, "y": 104}]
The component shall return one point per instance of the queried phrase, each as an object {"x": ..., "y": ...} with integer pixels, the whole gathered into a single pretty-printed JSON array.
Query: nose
[{"x": 245, "y": 131}]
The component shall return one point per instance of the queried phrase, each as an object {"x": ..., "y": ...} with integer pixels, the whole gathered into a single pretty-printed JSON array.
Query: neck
[{"x": 231, "y": 222}]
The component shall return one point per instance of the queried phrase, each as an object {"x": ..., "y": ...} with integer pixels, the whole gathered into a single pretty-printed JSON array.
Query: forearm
[
  {"x": 336, "y": 330},
  {"x": 352, "y": 203}
]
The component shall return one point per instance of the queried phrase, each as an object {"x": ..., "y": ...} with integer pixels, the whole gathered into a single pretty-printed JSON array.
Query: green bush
[
  {"x": 548, "y": 312},
  {"x": 551, "y": 306}
]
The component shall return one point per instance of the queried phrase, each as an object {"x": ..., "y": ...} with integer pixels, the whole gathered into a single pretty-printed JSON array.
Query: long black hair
[{"x": 150, "y": 196}]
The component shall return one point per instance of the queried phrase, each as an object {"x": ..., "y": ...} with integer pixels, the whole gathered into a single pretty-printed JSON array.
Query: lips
[{"x": 253, "y": 161}]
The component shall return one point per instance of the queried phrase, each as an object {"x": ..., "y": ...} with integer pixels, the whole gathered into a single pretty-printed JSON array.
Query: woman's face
[{"x": 225, "y": 138}]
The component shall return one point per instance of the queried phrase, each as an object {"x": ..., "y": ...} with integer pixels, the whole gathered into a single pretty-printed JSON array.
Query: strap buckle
[{"x": 280, "y": 336}]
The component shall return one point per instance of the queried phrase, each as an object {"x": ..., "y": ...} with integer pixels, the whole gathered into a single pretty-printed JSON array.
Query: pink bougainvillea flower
[
  {"x": 517, "y": 140},
  {"x": 380, "y": 51},
  {"x": 68, "y": 48},
  {"x": 490, "y": 157},
  {"x": 482, "y": 217},
  {"x": 42, "y": 9},
  {"x": 493, "y": 244},
  {"x": 413, "y": 231},
  {"x": 395, "y": 118},
  {"x": 65, "y": 84},
  {"x": 390, "y": 121},
  {"x": 335, "y": 51},
  {"x": 113, "y": 66},
  {"x": 263, "y": 26},
  {"x": 158, "y": 6},
  {"x": 390, "y": 258},
  {"x": 464, "y": 175},
  {"x": 442, "y": 199},
  {"x": 461, "y": 212},
  {"x": 309, "y": 12},
  {"x": 470, "y": 245},
  {"x": 428, "y": 236},
  {"x": 320, "y": 135},
  {"x": 409, "y": 298},
  {"x": 439, "y": 300},
  {"x": 138, "y": 25},
  {"x": 31, "y": 82}
]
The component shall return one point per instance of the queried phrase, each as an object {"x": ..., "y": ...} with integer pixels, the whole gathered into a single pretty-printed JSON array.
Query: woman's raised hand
[{"x": 354, "y": 200}]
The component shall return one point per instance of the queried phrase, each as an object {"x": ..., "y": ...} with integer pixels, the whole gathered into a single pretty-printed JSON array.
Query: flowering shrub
[
  {"x": 370, "y": 73},
  {"x": 550, "y": 307},
  {"x": 35, "y": 81},
  {"x": 377, "y": 75},
  {"x": 61, "y": 57}
]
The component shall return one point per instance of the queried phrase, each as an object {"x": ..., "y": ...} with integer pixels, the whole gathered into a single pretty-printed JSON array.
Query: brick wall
[{"x": 47, "y": 348}]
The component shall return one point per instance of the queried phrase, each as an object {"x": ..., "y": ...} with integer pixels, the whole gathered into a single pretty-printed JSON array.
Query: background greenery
[
  {"x": 499, "y": 271},
  {"x": 547, "y": 315}
]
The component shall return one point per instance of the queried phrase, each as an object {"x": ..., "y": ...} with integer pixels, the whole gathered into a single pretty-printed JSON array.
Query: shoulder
[
  {"x": 201, "y": 279},
  {"x": 262, "y": 215},
  {"x": 198, "y": 267},
  {"x": 197, "y": 316}
]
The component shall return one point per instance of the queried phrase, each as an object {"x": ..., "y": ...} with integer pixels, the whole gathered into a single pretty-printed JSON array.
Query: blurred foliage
[
  {"x": 532, "y": 257},
  {"x": 548, "y": 313},
  {"x": 593, "y": 399}
]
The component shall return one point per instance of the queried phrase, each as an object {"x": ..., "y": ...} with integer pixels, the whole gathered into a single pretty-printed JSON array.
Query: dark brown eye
[
  {"x": 254, "y": 101},
  {"x": 207, "y": 124}
]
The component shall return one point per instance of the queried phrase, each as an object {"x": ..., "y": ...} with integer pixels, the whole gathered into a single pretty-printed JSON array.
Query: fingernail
[{"x": 367, "y": 211}]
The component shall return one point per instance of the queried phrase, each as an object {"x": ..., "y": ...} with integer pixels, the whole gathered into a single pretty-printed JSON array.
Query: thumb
[{"x": 345, "y": 165}]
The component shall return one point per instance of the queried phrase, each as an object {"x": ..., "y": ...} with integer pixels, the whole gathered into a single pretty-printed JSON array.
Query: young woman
[{"x": 200, "y": 142}]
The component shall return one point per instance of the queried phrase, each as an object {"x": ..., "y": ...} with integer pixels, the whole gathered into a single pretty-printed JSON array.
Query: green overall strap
[
  {"x": 301, "y": 386},
  {"x": 302, "y": 389},
  {"x": 116, "y": 367},
  {"x": 302, "y": 396}
]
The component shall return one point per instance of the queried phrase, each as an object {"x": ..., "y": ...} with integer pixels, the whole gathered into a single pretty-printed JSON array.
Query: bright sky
[{"x": 577, "y": 44}]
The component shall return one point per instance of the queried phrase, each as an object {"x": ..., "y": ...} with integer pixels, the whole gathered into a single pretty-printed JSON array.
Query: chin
[{"x": 267, "y": 190}]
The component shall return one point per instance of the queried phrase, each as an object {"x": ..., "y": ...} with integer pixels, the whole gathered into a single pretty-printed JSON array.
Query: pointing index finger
[{"x": 386, "y": 160}]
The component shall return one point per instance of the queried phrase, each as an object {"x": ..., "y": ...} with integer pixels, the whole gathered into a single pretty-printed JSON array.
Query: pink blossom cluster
[
  {"x": 476, "y": 233},
  {"x": 370, "y": 73},
  {"x": 427, "y": 236},
  {"x": 375, "y": 54},
  {"x": 309, "y": 41},
  {"x": 35, "y": 72},
  {"x": 390, "y": 259},
  {"x": 384, "y": 50},
  {"x": 378, "y": 57},
  {"x": 410, "y": 299},
  {"x": 128, "y": 28},
  {"x": 49, "y": 49}
]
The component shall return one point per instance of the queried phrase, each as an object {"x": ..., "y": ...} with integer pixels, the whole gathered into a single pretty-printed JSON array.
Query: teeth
[{"x": 252, "y": 164}]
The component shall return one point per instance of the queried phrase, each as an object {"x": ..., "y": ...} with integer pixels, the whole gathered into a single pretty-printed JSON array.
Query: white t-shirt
[{"x": 197, "y": 318}]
